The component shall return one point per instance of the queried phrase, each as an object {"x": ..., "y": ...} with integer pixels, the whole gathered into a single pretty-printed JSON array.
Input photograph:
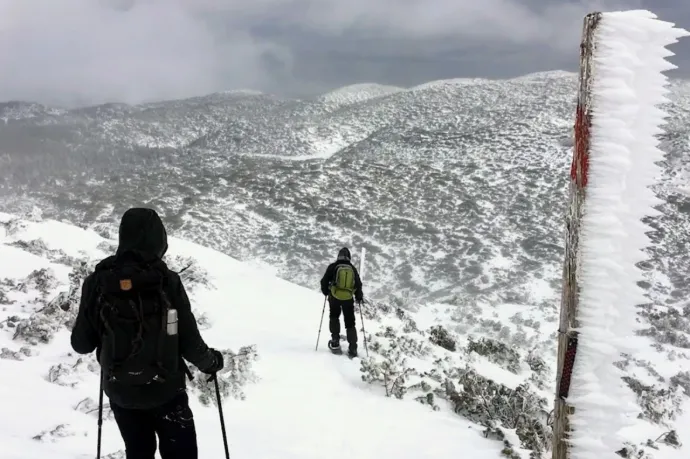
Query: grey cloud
[{"x": 91, "y": 51}]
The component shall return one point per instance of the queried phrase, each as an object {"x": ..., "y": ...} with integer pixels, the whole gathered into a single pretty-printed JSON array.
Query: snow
[
  {"x": 627, "y": 91},
  {"x": 304, "y": 404},
  {"x": 356, "y": 93}
]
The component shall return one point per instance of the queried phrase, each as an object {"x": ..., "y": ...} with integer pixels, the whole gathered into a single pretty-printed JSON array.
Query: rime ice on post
[
  {"x": 618, "y": 117},
  {"x": 361, "y": 263}
]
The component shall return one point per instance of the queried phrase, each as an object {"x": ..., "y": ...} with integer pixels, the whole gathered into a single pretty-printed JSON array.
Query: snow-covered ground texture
[
  {"x": 456, "y": 188},
  {"x": 628, "y": 90},
  {"x": 281, "y": 398},
  {"x": 443, "y": 381}
]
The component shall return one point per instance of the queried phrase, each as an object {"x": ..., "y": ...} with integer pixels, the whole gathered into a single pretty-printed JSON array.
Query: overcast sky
[{"x": 92, "y": 51}]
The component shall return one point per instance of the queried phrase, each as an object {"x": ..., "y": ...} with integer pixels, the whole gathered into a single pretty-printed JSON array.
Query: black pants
[
  {"x": 173, "y": 422},
  {"x": 348, "y": 310}
]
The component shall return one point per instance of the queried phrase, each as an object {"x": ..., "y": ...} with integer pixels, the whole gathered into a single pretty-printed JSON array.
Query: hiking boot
[
  {"x": 352, "y": 341},
  {"x": 333, "y": 345}
]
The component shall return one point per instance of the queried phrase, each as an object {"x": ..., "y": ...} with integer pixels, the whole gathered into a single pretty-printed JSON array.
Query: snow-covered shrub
[
  {"x": 403, "y": 367},
  {"x": 669, "y": 326},
  {"x": 34, "y": 246},
  {"x": 535, "y": 363},
  {"x": 59, "y": 312},
  {"x": 390, "y": 370},
  {"x": 4, "y": 299},
  {"x": 43, "y": 280},
  {"x": 191, "y": 274},
  {"x": 60, "y": 431},
  {"x": 38, "y": 247},
  {"x": 375, "y": 310},
  {"x": 14, "y": 226},
  {"x": 441, "y": 337},
  {"x": 68, "y": 374},
  {"x": 633, "y": 451},
  {"x": 519, "y": 320},
  {"x": 104, "y": 230},
  {"x": 486, "y": 402},
  {"x": 409, "y": 325},
  {"x": 670, "y": 438},
  {"x": 107, "y": 246},
  {"x": 232, "y": 379},
  {"x": 628, "y": 360},
  {"x": 38, "y": 328},
  {"x": 540, "y": 374},
  {"x": 90, "y": 406},
  {"x": 495, "y": 352},
  {"x": 659, "y": 404},
  {"x": 10, "y": 322},
  {"x": 682, "y": 379},
  {"x": 630, "y": 451},
  {"x": 404, "y": 343},
  {"x": 8, "y": 354},
  {"x": 387, "y": 365}
]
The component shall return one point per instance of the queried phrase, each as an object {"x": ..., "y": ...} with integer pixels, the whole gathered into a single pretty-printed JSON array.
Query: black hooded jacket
[
  {"x": 328, "y": 277},
  {"x": 142, "y": 232}
]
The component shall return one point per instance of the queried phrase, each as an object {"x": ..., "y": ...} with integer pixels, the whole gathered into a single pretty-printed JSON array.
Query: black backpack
[{"x": 139, "y": 344}]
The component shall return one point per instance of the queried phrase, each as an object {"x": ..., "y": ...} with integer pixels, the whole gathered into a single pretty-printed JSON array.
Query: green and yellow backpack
[{"x": 343, "y": 286}]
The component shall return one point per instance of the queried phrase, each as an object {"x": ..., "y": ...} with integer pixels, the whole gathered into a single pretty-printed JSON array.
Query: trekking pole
[
  {"x": 100, "y": 416},
  {"x": 364, "y": 333},
  {"x": 220, "y": 412},
  {"x": 323, "y": 311}
]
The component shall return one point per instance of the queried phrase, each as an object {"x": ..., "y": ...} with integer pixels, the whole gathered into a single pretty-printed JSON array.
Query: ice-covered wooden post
[
  {"x": 361, "y": 263},
  {"x": 621, "y": 88}
]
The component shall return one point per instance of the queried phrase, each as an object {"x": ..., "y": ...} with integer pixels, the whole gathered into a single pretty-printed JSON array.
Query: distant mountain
[{"x": 457, "y": 188}]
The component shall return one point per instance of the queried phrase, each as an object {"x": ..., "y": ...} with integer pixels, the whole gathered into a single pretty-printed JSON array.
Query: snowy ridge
[
  {"x": 15, "y": 110},
  {"x": 357, "y": 93},
  {"x": 627, "y": 90}
]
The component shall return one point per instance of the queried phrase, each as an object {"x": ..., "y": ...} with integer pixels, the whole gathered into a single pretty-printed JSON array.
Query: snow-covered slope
[
  {"x": 494, "y": 367},
  {"x": 292, "y": 402}
]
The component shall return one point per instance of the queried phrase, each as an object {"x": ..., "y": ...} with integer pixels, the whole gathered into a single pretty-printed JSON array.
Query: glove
[
  {"x": 359, "y": 298},
  {"x": 217, "y": 365}
]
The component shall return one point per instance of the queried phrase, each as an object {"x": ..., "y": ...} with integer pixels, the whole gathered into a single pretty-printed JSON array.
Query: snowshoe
[{"x": 334, "y": 346}]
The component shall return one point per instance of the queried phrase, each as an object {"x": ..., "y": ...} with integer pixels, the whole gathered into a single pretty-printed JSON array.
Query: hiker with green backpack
[{"x": 342, "y": 285}]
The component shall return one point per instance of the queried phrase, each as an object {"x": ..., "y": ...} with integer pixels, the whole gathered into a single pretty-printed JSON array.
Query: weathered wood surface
[{"x": 567, "y": 339}]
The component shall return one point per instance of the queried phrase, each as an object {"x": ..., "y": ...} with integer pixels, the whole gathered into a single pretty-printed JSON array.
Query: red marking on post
[
  {"x": 568, "y": 365},
  {"x": 581, "y": 154}
]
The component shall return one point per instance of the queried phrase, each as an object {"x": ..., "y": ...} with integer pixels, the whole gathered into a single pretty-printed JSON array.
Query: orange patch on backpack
[{"x": 125, "y": 284}]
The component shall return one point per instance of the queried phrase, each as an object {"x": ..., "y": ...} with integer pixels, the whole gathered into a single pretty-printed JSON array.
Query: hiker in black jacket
[
  {"x": 342, "y": 285},
  {"x": 145, "y": 385}
]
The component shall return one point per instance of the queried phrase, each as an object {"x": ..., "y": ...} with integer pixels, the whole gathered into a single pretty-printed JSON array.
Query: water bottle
[
  {"x": 172, "y": 322},
  {"x": 171, "y": 357}
]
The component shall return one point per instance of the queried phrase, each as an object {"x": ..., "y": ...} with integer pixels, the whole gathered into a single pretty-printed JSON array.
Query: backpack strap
[{"x": 166, "y": 306}]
